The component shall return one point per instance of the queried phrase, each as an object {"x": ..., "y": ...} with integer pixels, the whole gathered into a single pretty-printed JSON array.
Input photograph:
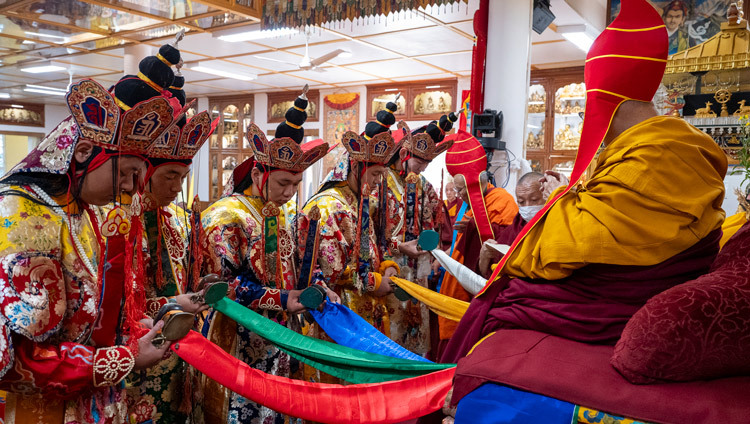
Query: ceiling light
[
  {"x": 42, "y": 67},
  {"x": 36, "y": 90},
  {"x": 226, "y": 72},
  {"x": 17, "y": 106},
  {"x": 4, "y": 95},
  {"x": 580, "y": 35},
  {"x": 256, "y": 35},
  {"x": 42, "y": 89}
]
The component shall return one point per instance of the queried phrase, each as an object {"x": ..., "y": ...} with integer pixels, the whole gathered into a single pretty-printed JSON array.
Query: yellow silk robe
[
  {"x": 657, "y": 189},
  {"x": 335, "y": 257},
  {"x": 49, "y": 307}
]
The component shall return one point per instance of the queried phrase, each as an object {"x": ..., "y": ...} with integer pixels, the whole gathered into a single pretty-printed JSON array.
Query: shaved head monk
[
  {"x": 492, "y": 209},
  {"x": 649, "y": 217}
]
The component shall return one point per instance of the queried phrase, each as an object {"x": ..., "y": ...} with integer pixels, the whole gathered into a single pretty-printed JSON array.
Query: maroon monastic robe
[{"x": 592, "y": 305}]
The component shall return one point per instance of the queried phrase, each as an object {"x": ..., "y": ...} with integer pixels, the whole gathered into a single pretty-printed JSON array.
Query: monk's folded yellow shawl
[
  {"x": 731, "y": 225},
  {"x": 657, "y": 189}
]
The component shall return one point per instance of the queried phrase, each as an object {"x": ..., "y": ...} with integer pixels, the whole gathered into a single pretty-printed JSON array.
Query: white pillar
[
  {"x": 507, "y": 77},
  {"x": 133, "y": 55},
  {"x": 201, "y": 165}
]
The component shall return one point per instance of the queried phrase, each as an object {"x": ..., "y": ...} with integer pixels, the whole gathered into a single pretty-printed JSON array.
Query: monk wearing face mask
[{"x": 532, "y": 191}]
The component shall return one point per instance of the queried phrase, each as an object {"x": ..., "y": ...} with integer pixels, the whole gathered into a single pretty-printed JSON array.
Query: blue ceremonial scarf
[
  {"x": 348, "y": 329},
  {"x": 459, "y": 217}
]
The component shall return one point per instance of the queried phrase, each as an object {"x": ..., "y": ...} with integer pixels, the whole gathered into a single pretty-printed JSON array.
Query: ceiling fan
[{"x": 308, "y": 64}]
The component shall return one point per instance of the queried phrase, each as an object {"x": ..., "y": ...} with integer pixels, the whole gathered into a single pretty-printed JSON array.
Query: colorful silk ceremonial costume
[
  {"x": 649, "y": 218},
  {"x": 250, "y": 244},
  {"x": 496, "y": 204},
  {"x": 70, "y": 335},
  {"x": 164, "y": 392},
  {"x": 347, "y": 253},
  {"x": 413, "y": 207}
]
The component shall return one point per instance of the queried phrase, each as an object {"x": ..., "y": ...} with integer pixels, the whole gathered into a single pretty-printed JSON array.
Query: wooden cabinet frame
[
  {"x": 217, "y": 152},
  {"x": 552, "y": 80}
]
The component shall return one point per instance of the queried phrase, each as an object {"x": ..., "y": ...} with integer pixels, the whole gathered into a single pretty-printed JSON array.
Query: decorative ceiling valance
[
  {"x": 301, "y": 13},
  {"x": 341, "y": 101}
]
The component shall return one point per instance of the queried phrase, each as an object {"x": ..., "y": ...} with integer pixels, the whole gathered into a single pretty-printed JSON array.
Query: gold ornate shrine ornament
[{"x": 727, "y": 50}]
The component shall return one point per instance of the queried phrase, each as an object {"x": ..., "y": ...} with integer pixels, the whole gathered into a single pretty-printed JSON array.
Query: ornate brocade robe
[
  {"x": 339, "y": 210},
  {"x": 50, "y": 302},
  {"x": 234, "y": 230},
  {"x": 164, "y": 392},
  {"x": 410, "y": 321}
]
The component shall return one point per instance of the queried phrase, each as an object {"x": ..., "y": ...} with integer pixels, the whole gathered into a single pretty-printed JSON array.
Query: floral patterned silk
[
  {"x": 410, "y": 322},
  {"x": 335, "y": 260},
  {"x": 165, "y": 392},
  {"x": 234, "y": 229},
  {"x": 49, "y": 303}
]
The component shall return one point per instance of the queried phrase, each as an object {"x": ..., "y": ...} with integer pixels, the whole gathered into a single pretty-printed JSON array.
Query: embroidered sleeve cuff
[
  {"x": 373, "y": 281},
  {"x": 154, "y": 304},
  {"x": 388, "y": 264},
  {"x": 112, "y": 365},
  {"x": 271, "y": 300},
  {"x": 393, "y": 245}
]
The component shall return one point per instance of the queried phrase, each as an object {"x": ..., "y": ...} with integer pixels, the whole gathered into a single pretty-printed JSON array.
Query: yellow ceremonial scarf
[
  {"x": 731, "y": 225},
  {"x": 657, "y": 189}
]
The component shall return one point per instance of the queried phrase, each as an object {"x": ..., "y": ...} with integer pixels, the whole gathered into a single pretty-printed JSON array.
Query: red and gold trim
[
  {"x": 467, "y": 157},
  {"x": 270, "y": 301},
  {"x": 112, "y": 365}
]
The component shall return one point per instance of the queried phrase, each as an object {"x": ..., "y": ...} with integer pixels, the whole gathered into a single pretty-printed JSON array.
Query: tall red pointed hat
[
  {"x": 626, "y": 62},
  {"x": 467, "y": 157}
]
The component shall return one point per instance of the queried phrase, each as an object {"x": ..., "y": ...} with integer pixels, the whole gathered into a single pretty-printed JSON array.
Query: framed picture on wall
[
  {"x": 29, "y": 115},
  {"x": 688, "y": 22},
  {"x": 279, "y": 103},
  {"x": 420, "y": 100}
]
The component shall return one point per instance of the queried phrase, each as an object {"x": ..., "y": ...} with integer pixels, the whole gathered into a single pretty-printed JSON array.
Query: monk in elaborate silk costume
[
  {"x": 69, "y": 336},
  {"x": 347, "y": 254},
  {"x": 413, "y": 206},
  {"x": 165, "y": 392},
  {"x": 251, "y": 246},
  {"x": 491, "y": 210},
  {"x": 648, "y": 219}
]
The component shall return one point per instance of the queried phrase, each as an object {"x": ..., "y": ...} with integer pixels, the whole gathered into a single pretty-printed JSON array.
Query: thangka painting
[
  {"x": 688, "y": 22},
  {"x": 341, "y": 115}
]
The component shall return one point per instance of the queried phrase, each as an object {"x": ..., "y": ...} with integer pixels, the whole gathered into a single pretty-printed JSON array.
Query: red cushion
[{"x": 697, "y": 330}]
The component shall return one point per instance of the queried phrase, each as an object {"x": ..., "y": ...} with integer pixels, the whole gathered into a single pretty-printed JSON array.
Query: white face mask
[{"x": 528, "y": 212}]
